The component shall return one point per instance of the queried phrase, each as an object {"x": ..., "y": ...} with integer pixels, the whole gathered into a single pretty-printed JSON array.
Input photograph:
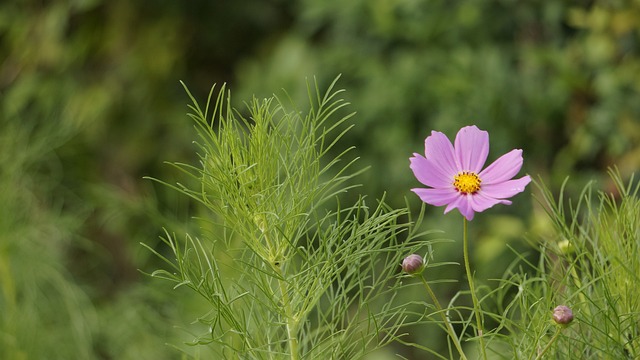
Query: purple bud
[
  {"x": 413, "y": 264},
  {"x": 562, "y": 315}
]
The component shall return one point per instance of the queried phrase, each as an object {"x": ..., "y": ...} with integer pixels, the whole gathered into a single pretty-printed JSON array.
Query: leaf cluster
[
  {"x": 284, "y": 276},
  {"x": 589, "y": 262}
]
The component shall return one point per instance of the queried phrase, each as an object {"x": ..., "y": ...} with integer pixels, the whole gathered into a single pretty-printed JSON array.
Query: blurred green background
[{"x": 90, "y": 102}]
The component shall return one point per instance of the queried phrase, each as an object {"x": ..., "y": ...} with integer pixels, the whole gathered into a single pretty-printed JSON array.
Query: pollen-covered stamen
[{"x": 467, "y": 182}]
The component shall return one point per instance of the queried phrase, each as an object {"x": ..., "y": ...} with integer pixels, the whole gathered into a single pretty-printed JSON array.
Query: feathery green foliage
[
  {"x": 285, "y": 275},
  {"x": 589, "y": 262}
]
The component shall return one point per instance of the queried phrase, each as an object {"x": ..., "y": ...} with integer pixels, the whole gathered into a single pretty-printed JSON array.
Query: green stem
[
  {"x": 291, "y": 323},
  {"x": 546, "y": 348},
  {"x": 578, "y": 285},
  {"x": 476, "y": 305},
  {"x": 445, "y": 319}
]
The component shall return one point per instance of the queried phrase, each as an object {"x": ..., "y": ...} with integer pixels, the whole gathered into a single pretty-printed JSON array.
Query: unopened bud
[
  {"x": 562, "y": 315},
  {"x": 566, "y": 247},
  {"x": 413, "y": 264}
]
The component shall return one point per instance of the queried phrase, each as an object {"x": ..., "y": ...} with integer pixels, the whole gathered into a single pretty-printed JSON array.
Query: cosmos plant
[
  {"x": 290, "y": 271},
  {"x": 456, "y": 179}
]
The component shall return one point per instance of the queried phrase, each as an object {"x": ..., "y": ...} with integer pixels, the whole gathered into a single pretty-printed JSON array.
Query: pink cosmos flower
[{"x": 455, "y": 176}]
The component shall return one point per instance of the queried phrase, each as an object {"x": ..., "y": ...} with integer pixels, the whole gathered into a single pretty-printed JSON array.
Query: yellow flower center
[{"x": 467, "y": 182}]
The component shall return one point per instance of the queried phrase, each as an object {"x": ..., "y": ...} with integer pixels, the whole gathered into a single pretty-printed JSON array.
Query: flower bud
[
  {"x": 413, "y": 264},
  {"x": 566, "y": 247},
  {"x": 562, "y": 315}
]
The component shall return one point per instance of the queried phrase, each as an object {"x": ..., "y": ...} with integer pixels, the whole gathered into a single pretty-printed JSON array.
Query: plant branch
[{"x": 445, "y": 319}]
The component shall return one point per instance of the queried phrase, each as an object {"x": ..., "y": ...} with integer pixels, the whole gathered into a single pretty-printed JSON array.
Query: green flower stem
[
  {"x": 578, "y": 285},
  {"x": 553, "y": 339},
  {"x": 476, "y": 305},
  {"x": 290, "y": 323},
  {"x": 445, "y": 319}
]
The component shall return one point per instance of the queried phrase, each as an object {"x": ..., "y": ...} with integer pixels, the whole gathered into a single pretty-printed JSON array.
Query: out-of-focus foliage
[
  {"x": 43, "y": 313},
  {"x": 84, "y": 114},
  {"x": 90, "y": 103},
  {"x": 559, "y": 79}
]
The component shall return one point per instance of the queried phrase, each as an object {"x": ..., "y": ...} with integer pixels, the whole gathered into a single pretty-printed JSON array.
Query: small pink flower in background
[{"x": 455, "y": 176}]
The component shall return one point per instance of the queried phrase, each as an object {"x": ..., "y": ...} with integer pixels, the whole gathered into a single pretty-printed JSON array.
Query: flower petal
[
  {"x": 429, "y": 174},
  {"x": 465, "y": 207},
  {"x": 505, "y": 189},
  {"x": 439, "y": 150},
  {"x": 503, "y": 169},
  {"x": 462, "y": 203},
  {"x": 481, "y": 202},
  {"x": 471, "y": 148},
  {"x": 436, "y": 197}
]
